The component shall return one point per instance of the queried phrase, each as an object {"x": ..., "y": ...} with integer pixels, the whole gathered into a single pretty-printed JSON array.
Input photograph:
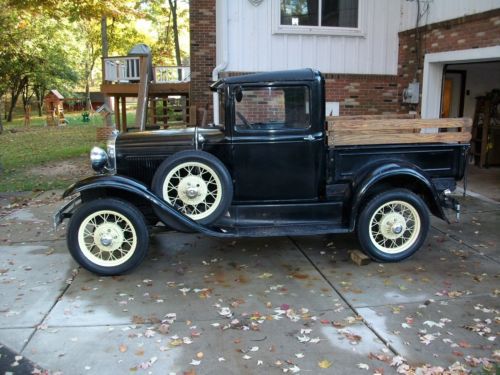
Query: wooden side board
[{"x": 389, "y": 130}]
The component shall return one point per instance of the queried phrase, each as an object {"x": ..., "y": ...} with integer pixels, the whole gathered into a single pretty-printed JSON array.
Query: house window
[
  {"x": 341, "y": 17},
  {"x": 326, "y": 13}
]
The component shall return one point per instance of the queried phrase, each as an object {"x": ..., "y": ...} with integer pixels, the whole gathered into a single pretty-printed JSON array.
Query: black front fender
[
  {"x": 393, "y": 171},
  {"x": 132, "y": 186}
]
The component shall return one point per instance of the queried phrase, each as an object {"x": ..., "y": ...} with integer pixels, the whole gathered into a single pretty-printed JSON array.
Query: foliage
[
  {"x": 162, "y": 15},
  {"x": 34, "y": 54},
  {"x": 75, "y": 10}
]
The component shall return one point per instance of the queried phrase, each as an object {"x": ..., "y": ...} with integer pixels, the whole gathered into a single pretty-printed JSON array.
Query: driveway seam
[
  {"x": 462, "y": 242},
  {"x": 352, "y": 307},
  {"x": 65, "y": 289}
]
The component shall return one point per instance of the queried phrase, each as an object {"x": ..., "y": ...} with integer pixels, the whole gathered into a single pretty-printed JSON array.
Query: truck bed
[{"x": 438, "y": 160}]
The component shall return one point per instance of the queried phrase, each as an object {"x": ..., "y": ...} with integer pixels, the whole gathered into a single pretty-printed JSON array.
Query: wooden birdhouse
[{"x": 54, "y": 108}]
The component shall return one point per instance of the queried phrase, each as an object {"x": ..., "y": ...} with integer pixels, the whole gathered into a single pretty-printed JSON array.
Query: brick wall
[
  {"x": 104, "y": 132},
  {"x": 203, "y": 52},
  {"x": 262, "y": 106},
  {"x": 358, "y": 94},
  {"x": 474, "y": 31},
  {"x": 362, "y": 94}
]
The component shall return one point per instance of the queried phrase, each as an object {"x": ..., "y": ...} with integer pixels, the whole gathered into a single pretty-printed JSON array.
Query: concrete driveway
[{"x": 273, "y": 305}]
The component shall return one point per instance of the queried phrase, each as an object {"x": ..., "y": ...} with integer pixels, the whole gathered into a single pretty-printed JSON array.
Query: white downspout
[{"x": 223, "y": 31}]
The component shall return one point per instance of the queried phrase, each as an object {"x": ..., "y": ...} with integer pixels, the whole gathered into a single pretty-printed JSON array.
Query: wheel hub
[
  {"x": 393, "y": 225},
  {"x": 397, "y": 228},
  {"x": 192, "y": 190},
  {"x": 108, "y": 236}
]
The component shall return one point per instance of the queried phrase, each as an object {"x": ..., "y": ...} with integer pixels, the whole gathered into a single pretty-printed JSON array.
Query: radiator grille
[{"x": 143, "y": 168}]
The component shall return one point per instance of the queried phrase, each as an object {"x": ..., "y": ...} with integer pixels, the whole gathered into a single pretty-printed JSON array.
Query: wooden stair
[{"x": 141, "y": 115}]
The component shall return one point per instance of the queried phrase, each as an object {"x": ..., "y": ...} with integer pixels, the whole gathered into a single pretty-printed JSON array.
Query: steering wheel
[{"x": 244, "y": 120}]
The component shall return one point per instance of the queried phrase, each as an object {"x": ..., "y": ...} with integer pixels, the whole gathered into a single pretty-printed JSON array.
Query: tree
[
  {"x": 35, "y": 52},
  {"x": 173, "y": 11},
  {"x": 74, "y": 10},
  {"x": 172, "y": 21}
]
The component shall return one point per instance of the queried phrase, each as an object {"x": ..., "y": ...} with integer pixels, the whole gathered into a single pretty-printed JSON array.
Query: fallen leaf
[
  {"x": 265, "y": 275},
  {"x": 123, "y": 348},
  {"x": 325, "y": 364}
]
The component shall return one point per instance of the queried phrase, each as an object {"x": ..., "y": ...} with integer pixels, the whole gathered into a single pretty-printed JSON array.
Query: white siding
[
  {"x": 254, "y": 47},
  {"x": 442, "y": 10}
]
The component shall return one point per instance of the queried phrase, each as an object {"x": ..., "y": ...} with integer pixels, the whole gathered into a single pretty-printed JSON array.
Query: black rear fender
[{"x": 394, "y": 176}]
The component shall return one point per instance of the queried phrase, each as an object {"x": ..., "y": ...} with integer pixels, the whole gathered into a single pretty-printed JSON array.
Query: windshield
[{"x": 222, "y": 108}]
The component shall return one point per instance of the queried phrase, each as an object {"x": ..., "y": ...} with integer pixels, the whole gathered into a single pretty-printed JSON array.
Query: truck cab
[{"x": 276, "y": 127}]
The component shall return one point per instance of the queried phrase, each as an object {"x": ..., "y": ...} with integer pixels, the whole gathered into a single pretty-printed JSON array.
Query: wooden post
[
  {"x": 124, "y": 114},
  {"x": 142, "y": 96},
  {"x": 153, "y": 109},
  {"x": 117, "y": 112},
  {"x": 27, "y": 115},
  {"x": 165, "y": 113}
]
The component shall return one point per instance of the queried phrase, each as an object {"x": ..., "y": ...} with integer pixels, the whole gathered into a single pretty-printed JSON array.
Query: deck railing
[
  {"x": 121, "y": 69},
  {"x": 126, "y": 69},
  {"x": 168, "y": 74}
]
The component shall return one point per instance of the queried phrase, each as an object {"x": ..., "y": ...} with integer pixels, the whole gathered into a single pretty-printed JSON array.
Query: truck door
[{"x": 277, "y": 154}]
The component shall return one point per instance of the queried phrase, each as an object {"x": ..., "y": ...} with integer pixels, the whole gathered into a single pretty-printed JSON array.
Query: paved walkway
[{"x": 210, "y": 306}]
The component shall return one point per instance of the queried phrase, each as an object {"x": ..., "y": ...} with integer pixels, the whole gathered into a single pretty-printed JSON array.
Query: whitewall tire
[
  {"x": 393, "y": 225},
  {"x": 108, "y": 236}
]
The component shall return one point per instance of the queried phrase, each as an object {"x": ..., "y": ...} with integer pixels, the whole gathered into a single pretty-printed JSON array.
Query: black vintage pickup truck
[{"x": 268, "y": 168}]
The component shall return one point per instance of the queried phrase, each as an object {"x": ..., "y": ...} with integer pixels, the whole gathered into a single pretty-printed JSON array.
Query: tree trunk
[
  {"x": 14, "y": 95},
  {"x": 104, "y": 38},
  {"x": 39, "y": 91},
  {"x": 1, "y": 113},
  {"x": 173, "y": 11}
]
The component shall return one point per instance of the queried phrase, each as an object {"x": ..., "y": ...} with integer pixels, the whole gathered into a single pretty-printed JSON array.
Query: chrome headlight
[{"x": 98, "y": 159}]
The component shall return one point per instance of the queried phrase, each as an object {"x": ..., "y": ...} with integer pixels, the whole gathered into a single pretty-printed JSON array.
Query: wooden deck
[{"x": 155, "y": 89}]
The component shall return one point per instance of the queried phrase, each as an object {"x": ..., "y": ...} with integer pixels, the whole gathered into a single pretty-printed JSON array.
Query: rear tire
[
  {"x": 108, "y": 236},
  {"x": 393, "y": 225}
]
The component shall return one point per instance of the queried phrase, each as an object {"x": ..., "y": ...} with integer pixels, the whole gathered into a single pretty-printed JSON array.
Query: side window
[{"x": 273, "y": 109}]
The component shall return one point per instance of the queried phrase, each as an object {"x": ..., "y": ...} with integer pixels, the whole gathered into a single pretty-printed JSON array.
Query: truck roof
[{"x": 276, "y": 76}]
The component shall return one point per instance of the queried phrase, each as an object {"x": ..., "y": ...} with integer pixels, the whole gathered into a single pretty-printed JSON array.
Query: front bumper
[{"x": 66, "y": 211}]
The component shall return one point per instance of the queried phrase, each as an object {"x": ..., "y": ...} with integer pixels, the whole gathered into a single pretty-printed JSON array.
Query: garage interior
[{"x": 473, "y": 90}]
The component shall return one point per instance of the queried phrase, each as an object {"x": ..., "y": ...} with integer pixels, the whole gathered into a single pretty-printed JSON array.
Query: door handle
[{"x": 310, "y": 137}]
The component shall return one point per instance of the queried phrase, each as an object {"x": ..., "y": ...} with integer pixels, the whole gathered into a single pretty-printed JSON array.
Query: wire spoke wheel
[
  {"x": 394, "y": 227},
  {"x": 194, "y": 189},
  {"x": 107, "y": 238}
]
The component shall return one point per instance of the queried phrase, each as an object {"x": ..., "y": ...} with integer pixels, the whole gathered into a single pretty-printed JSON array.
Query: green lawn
[{"x": 23, "y": 148}]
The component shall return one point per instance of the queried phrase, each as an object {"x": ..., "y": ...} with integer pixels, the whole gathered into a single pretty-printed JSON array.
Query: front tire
[
  {"x": 108, "y": 236},
  {"x": 393, "y": 225}
]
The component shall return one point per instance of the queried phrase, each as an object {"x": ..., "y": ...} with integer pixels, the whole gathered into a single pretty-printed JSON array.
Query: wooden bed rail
[{"x": 370, "y": 130}]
